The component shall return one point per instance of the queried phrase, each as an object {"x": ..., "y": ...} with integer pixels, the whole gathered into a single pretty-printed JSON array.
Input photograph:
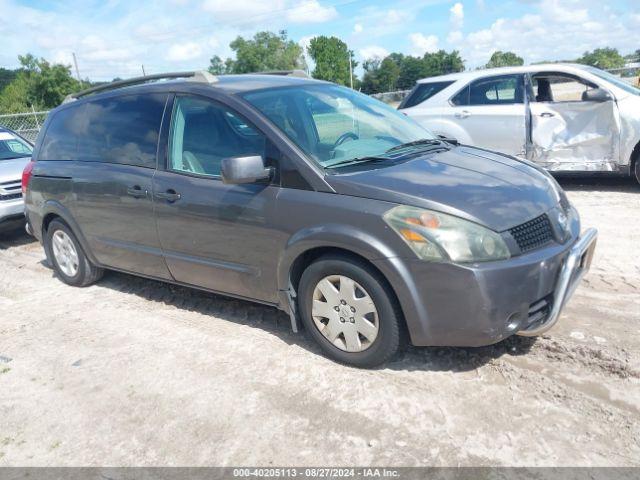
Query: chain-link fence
[{"x": 26, "y": 124}]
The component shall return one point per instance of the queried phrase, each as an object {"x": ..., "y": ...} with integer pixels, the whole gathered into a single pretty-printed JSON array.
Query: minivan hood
[
  {"x": 11, "y": 169},
  {"x": 488, "y": 188}
]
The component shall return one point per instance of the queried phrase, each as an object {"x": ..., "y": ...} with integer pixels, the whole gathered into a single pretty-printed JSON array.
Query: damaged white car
[{"x": 566, "y": 118}]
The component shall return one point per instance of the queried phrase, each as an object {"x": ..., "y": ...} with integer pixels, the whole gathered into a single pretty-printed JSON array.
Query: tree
[
  {"x": 604, "y": 58},
  {"x": 217, "y": 66},
  {"x": 388, "y": 74},
  {"x": 411, "y": 70},
  {"x": 331, "y": 56},
  {"x": 39, "y": 85},
  {"x": 442, "y": 63},
  {"x": 6, "y": 77},
  {"x": 265, "y": 52},
  {"x": 504, "y": 59},
  {"x": 397, "y": 71},
  {"x": 370, "y": 83}
]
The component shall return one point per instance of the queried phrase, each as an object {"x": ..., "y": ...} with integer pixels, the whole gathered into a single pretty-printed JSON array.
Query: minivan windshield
[
  {"x": 336, "y": 126},
  {"x": 12, "y": 146}
]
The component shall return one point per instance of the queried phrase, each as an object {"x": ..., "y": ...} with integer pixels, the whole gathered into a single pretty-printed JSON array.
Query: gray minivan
[{"x": 309, "y": 197}]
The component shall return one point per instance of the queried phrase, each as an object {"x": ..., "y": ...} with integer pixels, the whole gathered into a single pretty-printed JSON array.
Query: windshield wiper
[
  {"x": 357, "y": 160},
  {"x": 416, "y": 143}
]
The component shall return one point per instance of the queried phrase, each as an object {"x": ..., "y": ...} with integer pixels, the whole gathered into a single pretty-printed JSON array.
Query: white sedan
[{"x": 564, "y": 117}]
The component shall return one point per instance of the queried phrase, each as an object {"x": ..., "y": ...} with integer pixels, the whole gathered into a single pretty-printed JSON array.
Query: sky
[{"x": 114, "y": 38}]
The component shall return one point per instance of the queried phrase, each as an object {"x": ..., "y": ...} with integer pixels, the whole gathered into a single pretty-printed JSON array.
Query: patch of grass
[{"x": 4, "y": 370}]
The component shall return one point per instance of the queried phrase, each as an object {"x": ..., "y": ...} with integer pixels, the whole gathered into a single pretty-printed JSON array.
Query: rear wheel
[
  {"x": 68, "y": 259},
  {"x": 636, "y": 169},
  {"x": 348, "y": 310}
]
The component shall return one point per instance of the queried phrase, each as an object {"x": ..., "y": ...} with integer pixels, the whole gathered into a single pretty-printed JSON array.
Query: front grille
[
  {"x": 11, "y": 196},
  {"x": 533, "y": 234}
]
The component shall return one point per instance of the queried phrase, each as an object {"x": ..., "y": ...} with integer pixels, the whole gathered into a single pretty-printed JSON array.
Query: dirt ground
[{"x": 135, "y": 372}]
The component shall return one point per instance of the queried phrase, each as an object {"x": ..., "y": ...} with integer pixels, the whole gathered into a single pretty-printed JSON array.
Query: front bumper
[
  {"x": 575, "y": 266},
  {"x": 11, "y": 213},
  {"x": 474, "y": 305}
]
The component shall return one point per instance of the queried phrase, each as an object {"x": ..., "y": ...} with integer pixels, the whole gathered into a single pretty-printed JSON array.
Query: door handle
[
  {"x": 136, "y": 191},
  {"x": 170, "y": 195},
  {"x": 462, "y": 114},
  {"x": 547, "y": 115}
]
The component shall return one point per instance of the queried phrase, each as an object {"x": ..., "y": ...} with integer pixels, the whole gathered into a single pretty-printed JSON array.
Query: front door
[
  {"x": 215, "y": 235},
  {"x": 492, "y": 111},
  {"x": 568, "y": 132}
]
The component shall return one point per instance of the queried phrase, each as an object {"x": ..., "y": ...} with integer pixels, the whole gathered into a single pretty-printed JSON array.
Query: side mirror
[
  {"x": 237, "y": 170},
  {"x": 596, "y": 95}
]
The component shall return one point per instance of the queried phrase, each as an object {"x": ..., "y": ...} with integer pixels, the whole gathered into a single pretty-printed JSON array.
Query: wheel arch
[
  {"x": 633, "y": 161},
  {"x": 53, "y": 210},
  {"x": 306, "y": 247}
]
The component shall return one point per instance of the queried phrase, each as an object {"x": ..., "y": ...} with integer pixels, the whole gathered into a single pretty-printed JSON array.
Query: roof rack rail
[
  {"x": 286, "y": 73},
  {"x": 196, "y": 76}
]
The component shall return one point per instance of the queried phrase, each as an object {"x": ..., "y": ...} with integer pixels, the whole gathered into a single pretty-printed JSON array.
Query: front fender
[{"x": 345, "y": 237}]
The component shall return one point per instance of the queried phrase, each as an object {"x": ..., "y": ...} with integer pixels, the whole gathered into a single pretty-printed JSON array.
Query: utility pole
[
  {"x": 75, "y": 62},
  {"x": 143, "y": 72},
  {"x": 350, "y": 69}
]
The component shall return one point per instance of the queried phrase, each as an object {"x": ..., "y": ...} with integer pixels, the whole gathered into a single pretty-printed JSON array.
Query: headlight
[
  {"x": 437, "y": 236},
  {"x": 559, "y": 192}
]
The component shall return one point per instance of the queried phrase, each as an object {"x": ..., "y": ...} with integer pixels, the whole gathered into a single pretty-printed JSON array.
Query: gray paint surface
[{"x": 242, "y": 240}]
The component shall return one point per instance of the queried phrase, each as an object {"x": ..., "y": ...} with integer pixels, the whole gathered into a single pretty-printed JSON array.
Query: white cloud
[
  {"x": 311, "y": 11},
  {"x": 241, "y": 12},
  {"x": 455, "y": 37},
  {"x": 373, "y": 51},
  {"x": 553, "y": 30},
  {"x": 456, "y": 16},
  {"x": 357, "y": 28},
  {"x": 180, "y": 52},
  {"x": 422, "y": 44}
]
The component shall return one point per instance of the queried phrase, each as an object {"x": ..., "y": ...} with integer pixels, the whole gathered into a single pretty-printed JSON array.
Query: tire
[
  {"x": 79, "y": 271},
  {"x": 636, "y": 169},
  {"x": 369, "y": 289}
]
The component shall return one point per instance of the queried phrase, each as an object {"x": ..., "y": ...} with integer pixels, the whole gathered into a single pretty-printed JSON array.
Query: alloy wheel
[{"x": 65, "y": 253}]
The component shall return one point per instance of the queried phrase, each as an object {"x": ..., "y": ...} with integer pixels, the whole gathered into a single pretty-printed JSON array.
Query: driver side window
[
  {"x": 556, "y": 87},
  {"x": 203, "y": 133}
]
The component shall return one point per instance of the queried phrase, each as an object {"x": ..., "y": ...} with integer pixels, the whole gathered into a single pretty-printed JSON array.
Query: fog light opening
[{"x": 513, "y": 322}]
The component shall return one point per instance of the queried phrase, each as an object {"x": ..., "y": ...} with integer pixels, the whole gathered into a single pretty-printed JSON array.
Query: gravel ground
[{"x": 135, "y": 372}]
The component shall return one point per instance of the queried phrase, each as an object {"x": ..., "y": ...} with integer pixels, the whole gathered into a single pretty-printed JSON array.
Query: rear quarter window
[
  {"x": 423, "y": 92},
  {"x": 122, "y": 129}
]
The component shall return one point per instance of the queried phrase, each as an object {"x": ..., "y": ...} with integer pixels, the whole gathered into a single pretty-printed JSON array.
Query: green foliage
[
  {"x": 400, "y": 72},
  {"x": 331, "y": 56},
  {"x": 6, "y": 77},
  {"x": 217, "y": 66},
  {"x": 604, "y": 58},
  {"x": 504, "y": 59},
  {"x": 267, "y": 51},
  {"x": 39, "y": 85}
]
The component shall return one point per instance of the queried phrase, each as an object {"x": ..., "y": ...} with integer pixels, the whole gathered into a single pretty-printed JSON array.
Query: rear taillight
[{"x": 26, "y": 175}]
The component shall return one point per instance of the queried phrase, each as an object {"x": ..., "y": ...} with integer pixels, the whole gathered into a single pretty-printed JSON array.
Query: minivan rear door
[
  {"x": 117, "y": 141},
  {"x": 214, "y": 235}
]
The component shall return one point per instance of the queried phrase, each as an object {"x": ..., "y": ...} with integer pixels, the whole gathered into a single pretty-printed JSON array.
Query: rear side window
[
  {"x": 500, "y": 90},
  {"x": 422, "y": 92},
  {"x": 113, "y": 130}
]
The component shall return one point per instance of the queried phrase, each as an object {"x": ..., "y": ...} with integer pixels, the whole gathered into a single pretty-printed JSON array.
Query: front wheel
[
  {"x": 349, "y": 311},
  {"x": 636, "y": 169}
]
